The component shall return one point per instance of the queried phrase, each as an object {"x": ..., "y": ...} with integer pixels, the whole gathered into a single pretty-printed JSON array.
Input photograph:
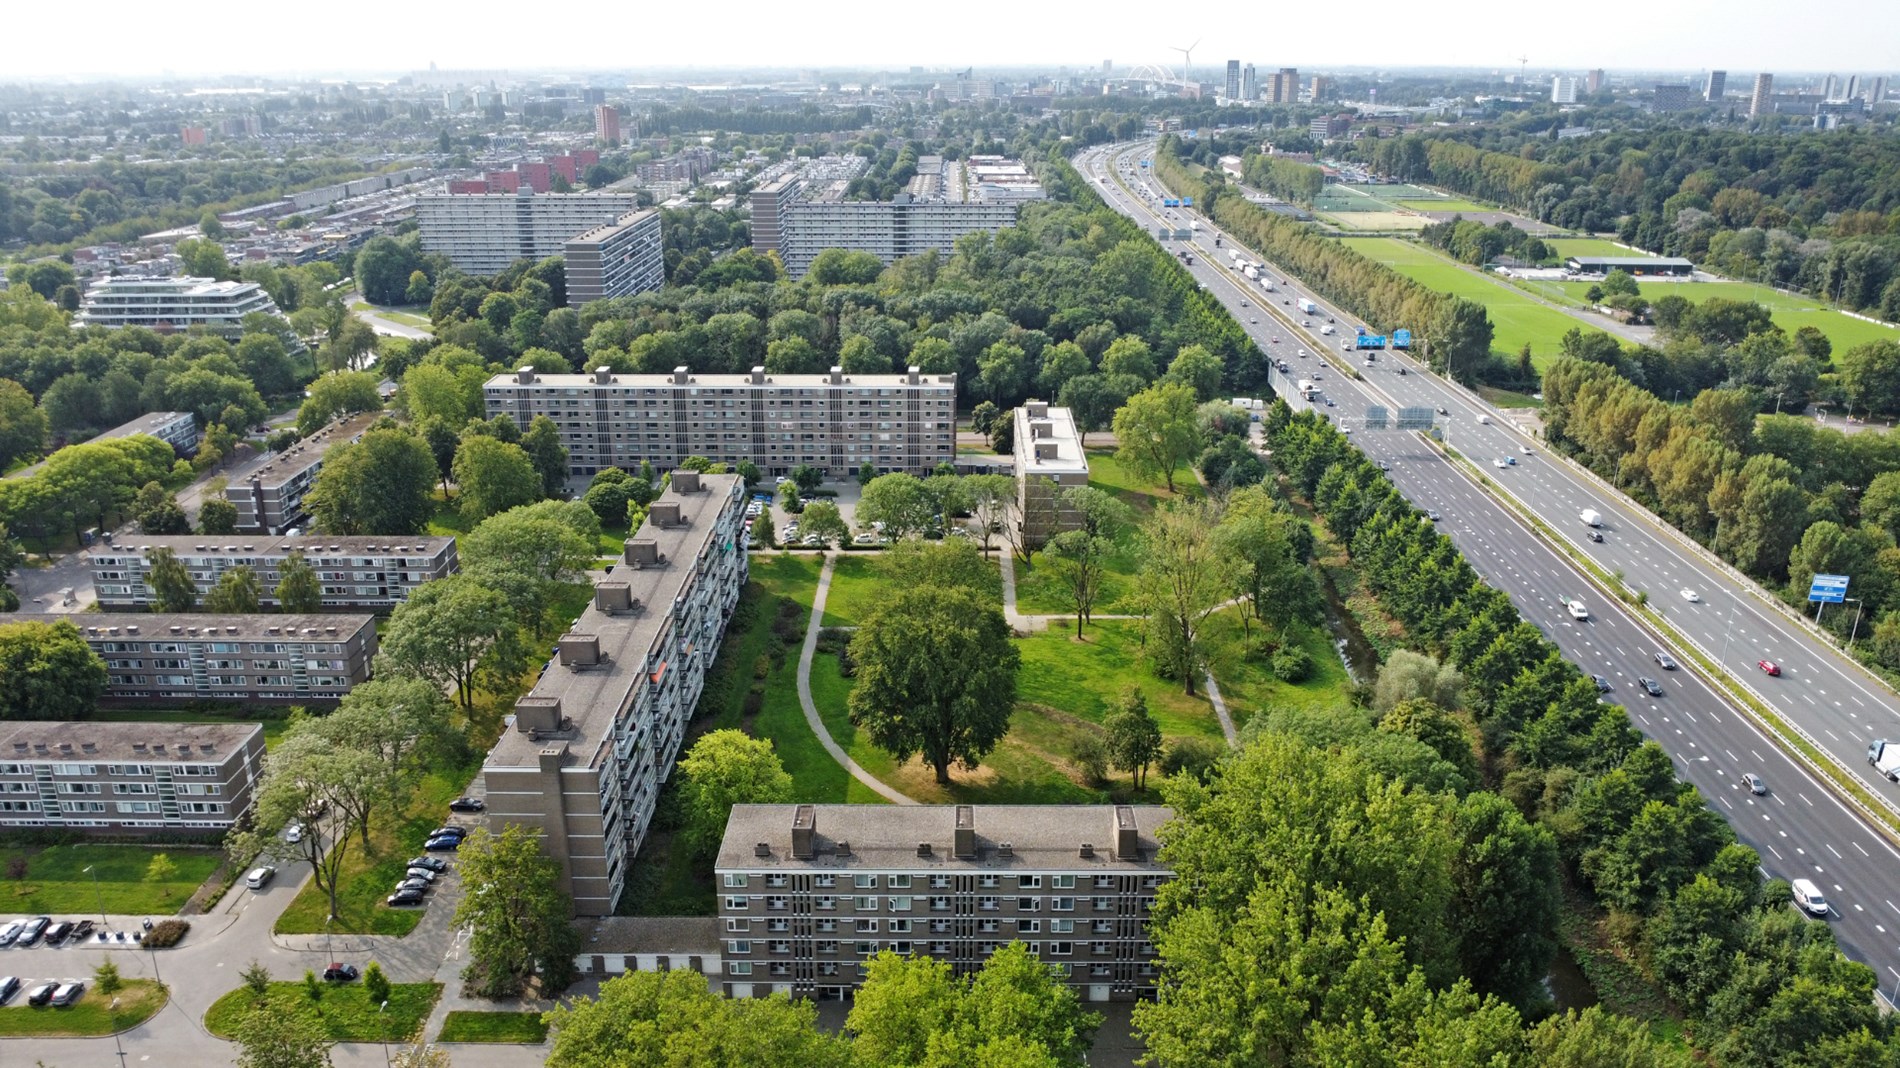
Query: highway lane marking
[
  {"x": 1836, "y": 852},
  {"x": 1863, "y": 852}
]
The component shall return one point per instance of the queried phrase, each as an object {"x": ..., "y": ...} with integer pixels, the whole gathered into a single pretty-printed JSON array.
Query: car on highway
[
  {"x": 1594, "y": 535},
  {"x": 467, "y": 804},
  {"x": 1577, "y": 610},
  {"x": 1768, "y": 667},
  {"x": 1383, "y": 466},
  {"x": 1243, "y": 303},
  {"x": 1254, "y": 321},
  {"x": 1665, "y": 661},
  {"x": 341, "y": 973},
  {"x": 1602, "y": 684},
  {"x": 1691, "y": 596},
  {"x": 1499, "y": 462},
  {"x": 1433, "y": 516},
  {"x": 1525, "y": 449},
  {"x": 1808, "y": 896},
  {"x": 1754, "y": 784},
  {"x": 1650, "y": 686},
  {"x": 1442, "y": 411},
  {"x": 1331, "y": 404},
  {"x": 403, "y": 899}
]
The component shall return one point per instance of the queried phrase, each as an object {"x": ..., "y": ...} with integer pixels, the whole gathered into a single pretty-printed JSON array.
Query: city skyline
[{"x": 1489, "y": 34}]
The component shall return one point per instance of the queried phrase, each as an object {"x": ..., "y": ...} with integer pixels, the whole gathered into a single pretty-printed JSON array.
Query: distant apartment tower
[
  {"x": 619, "y": 259},
  {"x": 1049, "y": 460},
  {"x": 271, "y": 499},
  {"x": 1329, "y": 127},
  {"x": 1762, "y": 100},
  {"x": 1594, "y": 81},
  {"x": 1670, "y": 98},
  {"x": 1284, "y": 88},
  {"x": 607, "y": 123},
  {"x": 1249, "y": 83},
  {"x": 808, "y": 893},
  {"x": 1713, "y": 88},
  {"x": 769, "y": 204},
  {"x": 1563, "y": 89},
  {"x": 593, "y": 96},
  {"x": 483, "y": 233},
  {"x": 375, "y": 573},
  {"x": 835, "y": 422},
  {"x": 1320, "y": 87},
  {"x": 191, "y": 135},
  {"x": 128, "y": 778},
  {"x": 174, "y": 305},
  {"x": 583, "y": 758},
  {"x": 247, "y": 659},
  {"x": 1233, "y": 80}
]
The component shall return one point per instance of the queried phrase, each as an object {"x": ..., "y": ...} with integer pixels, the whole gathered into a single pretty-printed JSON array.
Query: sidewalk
[{"x": 810, "y": 707}]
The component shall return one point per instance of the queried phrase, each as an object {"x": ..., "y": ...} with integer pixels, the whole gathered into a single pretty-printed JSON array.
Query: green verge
[
  {"x": 1516, "y": 319},
  {"x": 56, "y": 879},
  {"x": 464, "y": 1025},
  {"x": 139, "y": 1000},
  {"x": 859, "y": 585},
  {"x": 345, "y": 1010}
]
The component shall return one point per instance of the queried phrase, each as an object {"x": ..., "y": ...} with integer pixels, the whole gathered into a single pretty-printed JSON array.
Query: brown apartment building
[
  {"x": 583, "y": 756},
  {"x": 128, "y": 778},
  {"x": 374, "y": 573},
  {"x": 1049, "y": 459},
  {"x": 809, "y": 892},
  {"x": 270, "y": 501},
  {"x": 835, "y": 422},
  {"x": 250, "y": 659}
]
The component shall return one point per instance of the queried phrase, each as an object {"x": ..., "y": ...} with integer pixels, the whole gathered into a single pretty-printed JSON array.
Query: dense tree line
[
  {"x": 1476, "y": 243},
  {"x": 1287, "y": 179},
  {"x": 1818, "y": 211}
]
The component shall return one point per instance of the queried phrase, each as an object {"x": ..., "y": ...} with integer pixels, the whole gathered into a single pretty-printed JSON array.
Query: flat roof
[
  {"x": 717, "y": 381},
  {"x": 298, "y": 458},
  {"x": 591, "y": 698},
  {"x": 158, "y": 625},
  {"x": 674, "y": 935},
  {"x": 1069, "y": 459},
  {"x": 886, "y": 837},
  {"x": 193, "y": 742},
  {"x": 1635, "y": 261},
  {"x": 632, "y": 218},
  {"x": 270, "y": 545}
]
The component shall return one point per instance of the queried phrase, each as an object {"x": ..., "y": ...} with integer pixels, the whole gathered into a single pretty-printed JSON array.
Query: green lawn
[
  {"x": 1107, "y": 473},
  {"x": 347, "y": 1013},
  {"x": 859, "y": 585},
  {"x": 416, "y": 315},
  {"x": 1791, "y": 311},
  {"x": 1248, "y": 685},
  {"x": 56, "y": 879},
  {"x": 464, "y": 1025},
  {"x": 1516, "y": 319},
  {"x": 1566, "y": 247},
  {"x": 92, "y": 1016},
  {"x": 1446, "y": 204},
  {"x": 1040, "y": 592}
]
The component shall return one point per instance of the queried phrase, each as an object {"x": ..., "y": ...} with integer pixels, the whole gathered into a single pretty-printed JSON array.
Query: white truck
[
  {"x": 1327, "y": 329},
  {"x": 1885, "y": 757},
  {"x": 1308, "y": 389},
  {"x": 1308, "y": 306},
  {"x": 1591, "y": 517},
  {"x": 1252, "y": 272},
  {"x": 1266, "y": 283}
]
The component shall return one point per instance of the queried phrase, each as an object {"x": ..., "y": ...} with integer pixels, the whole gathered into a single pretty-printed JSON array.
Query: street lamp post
[
  {"x": 100, "y": 896},
  {"x": 120, "y": 1046},
  {"x": 382, "y": 1024},
  {"x": 1855, "y": 631}
]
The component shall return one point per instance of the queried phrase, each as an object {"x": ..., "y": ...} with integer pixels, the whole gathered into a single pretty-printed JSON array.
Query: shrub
[
  {"x": 257, "y": 979},
  {"x": 1091, "y": 756},
  {"x": 1292, "y": 664},
  {"x": 16, "y": 868},
  {"x": 375, "y": 983},
  {"x": 1195, "y": 756},
  {"x": 106, "y": 978},
  {"x": 166, "y": 934}
]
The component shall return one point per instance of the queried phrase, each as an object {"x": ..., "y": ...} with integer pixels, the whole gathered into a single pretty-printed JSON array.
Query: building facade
[
  {"x": 585, "y": 753},
  {"x": 1716, "y": 84},
  {"x": 619, "y": 259},
  {"x": 607, "y": 123},
  {"x": 1670, "y": 98},
  {"x": 353, "y": 572},
  {"x": 1249, "y": 83},
  {"x": 171, "y": 305},
  {"x": 1049, "y": 459},
  {"x": 271, "y": 500},
  {"x": 835, "y": 422},
  {"x": 128, "y": 778},
  {"x": 808, "y": 893},
  {"x": 250, "y": 659},
  {"x": 483, "y": 233},
  {"x": 1762, "y": 100},
  {"x": 1233, "y": 80},
  {"x": 769, "y": 202},
  {"x": 1563, "y": 89},
  {"x": 1284, "y": 87}
]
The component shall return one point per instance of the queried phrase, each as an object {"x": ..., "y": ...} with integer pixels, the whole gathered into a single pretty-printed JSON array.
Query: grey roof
[
  {"x": 591, "y": 699},
  {"x": 149, "y": 627},
  {"x": 193, "y": 742},
  {"x": 314, "y": 546},
  {"x": 886, "y": 838},
  {"x": 304, "y": 454},
  {"x": 1635, "y": 261},
  {"x": 653, "y": 934}
]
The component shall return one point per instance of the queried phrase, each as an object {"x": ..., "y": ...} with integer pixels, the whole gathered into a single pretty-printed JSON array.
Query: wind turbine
[{"x": 1187, "y": 60}]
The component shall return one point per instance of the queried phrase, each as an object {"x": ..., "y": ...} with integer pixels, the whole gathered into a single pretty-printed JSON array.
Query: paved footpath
[{"x": 817, "y": 724}]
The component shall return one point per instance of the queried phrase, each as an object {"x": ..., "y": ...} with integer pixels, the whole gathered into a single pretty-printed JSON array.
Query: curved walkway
[{"x": 810, "y": 707}]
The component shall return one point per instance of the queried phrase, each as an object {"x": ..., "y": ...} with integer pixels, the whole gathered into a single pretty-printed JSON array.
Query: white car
[
  {"x": 293, "y": 833},
  {"x": 1691, "y": 596},
  {"x": 1577, "y": 610},
  {"x": 1499, "y": 463}
]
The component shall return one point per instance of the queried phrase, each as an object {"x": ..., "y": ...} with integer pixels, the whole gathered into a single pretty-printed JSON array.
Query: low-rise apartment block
[
  {"x": 249, "y": 659},
  {"x": 835, "y": 422},
  {"x": 271, "y": 499},
  {"x": 173, "y": 305},
  {"x": 128, "y": 778},
  {"x": 177, "y": 429},
  {"x": 810, "y": 892},
  {"x": 1049, "y": 459},
  {"x": 370, "y": 573},
  {"x": 583, "y": 757},
  {"x": 618, "y": 259}
]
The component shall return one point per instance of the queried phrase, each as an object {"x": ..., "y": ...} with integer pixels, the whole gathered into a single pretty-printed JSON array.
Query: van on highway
[{"x": 1808, "y": 897}]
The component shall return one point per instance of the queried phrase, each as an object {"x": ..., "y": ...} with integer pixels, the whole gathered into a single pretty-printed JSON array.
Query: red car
[{"x": 1769, "y": 666}]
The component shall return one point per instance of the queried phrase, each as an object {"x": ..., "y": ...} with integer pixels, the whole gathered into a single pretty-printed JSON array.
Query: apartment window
[
  {"x": 940, "y": 904},
  {"x": 864, "y": 882},
  {"x": 866, "y": 927},
  {"x": 1103, "y": 904},
  {"x": 734, "y": 882},
  {"x": 1062, "y": 904},
  {"x": 824, "y": 882},
  {"x": 777, "y": 903},
  {"x": 988, "y": 904},
  {"x": 782, "y": 948},
  {"x": 900, "y": 927},
  {"x": 1028, "y": 926},
  {"x": 900, "y": 904},
  {"x": 898, "y": 882},
  {"x": 1062, "y": 882},
  {"x": 777, "y": 926},
  {"x": 739, "y": 967},
  {"x": 734, "y": 902},
  {"x": 1029, "y": 882},
  {"x": 940, "y": 948},
  {"x": 827, "y": 926},
  {"x": 1104, "y": 882},
  {"x": 829, "y": 945},
  {"x": 739, "y": 947},
  {"x": 1100, "y": 949},
  {"x": 737, "y": 926},
  {"x": 989, "y": 926},
  {"x": 777, "y": 882},
  {"x": 1061, "y": 949},
  {"x": 825, "y": 901},
  {"x": 989, "y": 882},
  {"x": 940, "y": 882}
]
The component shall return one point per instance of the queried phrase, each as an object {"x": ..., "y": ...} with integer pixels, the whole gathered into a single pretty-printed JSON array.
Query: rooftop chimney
[
  {"x": 1036, "y": 409},
  {"x": 642, "y": 552},
  {"x": 1127, "y": 838},
  {"x": 804, "y": 832},
  {"x": 763, "y": 849},
  {"x": 758, "y": 376},
  {"x": 682, "y": 375},
  {"x": 664, "y": 514},
  {"x": 686, "y": 482},
  {"x": 837, "y": 376},
  {"x": 965, "y": 848},
  {"x": 537, "y": 714},
  {"x": 603, "y": 376},
  {"x": 613, "y": 598},
  {"x": 525, "y": 376},
  {"x": 913, "y": 375},
  {"x": 579, "y": 650},
  {"x": 923, "y": 849}
]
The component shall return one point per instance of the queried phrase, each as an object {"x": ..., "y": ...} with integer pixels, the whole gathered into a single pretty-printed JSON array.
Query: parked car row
[
  {"x": 46, "y": 930},
  {"x": 54, "y": 992}
]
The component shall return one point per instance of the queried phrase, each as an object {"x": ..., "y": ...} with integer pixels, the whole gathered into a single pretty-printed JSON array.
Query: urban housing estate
[
  {"x": 353, "y": 572},
  {"x": 583, "y": 756},
  {"x": 128, "y": 778},
  {"x": 836, "y": 422},
  {"x": 808, "y": 893},
  {"x": 271, "y": 499},
  {"x": 1049, "y": 459},
  {"x": 251, "y": 659}
]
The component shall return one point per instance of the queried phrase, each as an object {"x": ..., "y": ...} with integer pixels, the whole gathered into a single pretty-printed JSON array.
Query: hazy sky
[{"x": 136, "y": 38}]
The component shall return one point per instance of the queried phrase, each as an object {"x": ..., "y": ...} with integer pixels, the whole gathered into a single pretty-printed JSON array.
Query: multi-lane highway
[{"x": 1799, "y": 827}]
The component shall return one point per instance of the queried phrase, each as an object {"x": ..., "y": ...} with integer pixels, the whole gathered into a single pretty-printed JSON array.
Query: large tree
[
  {"x": 1156, "y": 430},
  {"x": 936, "y": 677},
  {"x": 237, "y": 592},
  {"x": 306, "y": 772},
  {"x": 47, "y": 671},
  {"x": 217, "y": 515},
  {"x": 340, "y": 393},
  {"x": 402, "y": 721},
  {"x": 1080, "y": 557},
  {"x": 22, "y": 424},
  {"x": 517, "y": 913},
  {"x": 911, "y": 1012},
  {"x": 494, "y": 476},
  {"x": 382, "y": 484},
  {"x": 271, "y": 1036},
  {"x": 542, "y": 443},
  {"x": 1185, "y": 575},
  {"x": 454, "y": 631},
  {"x": 726, "y": 768},
  {"x": 898, "y": 501},
  {"x": 672, "y": 1020},
  {"x": 173, "y": 589},
  {"x": 298, "y": 589},
  {"x": 1133, "y": 734},
  {"x": 526, "y": 552}
]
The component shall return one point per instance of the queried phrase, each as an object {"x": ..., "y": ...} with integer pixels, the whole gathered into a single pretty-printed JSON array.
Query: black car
[
  {"x": 449, "y": 831},
  {"x": 446, "y": 843},
  {"x": 34, "y": 928},
  {"x": 467, "y": 804},
  {"x": 1603, "y": 684},
  {"x": 1650, "y": 686},
  {"x": 402, "y": 898},
  {"x": 56, "y": 933},
  {"x": 1595, "y": 535},
  {"x": 41, "y": 994},
  {"x": 341, "y": 973},
  {"x": 9, "y": 985},
  {"x": 434, "y": 864}
]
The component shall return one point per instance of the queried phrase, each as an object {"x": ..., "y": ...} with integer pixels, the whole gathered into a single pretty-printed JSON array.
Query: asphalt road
[{"x": 1800, "y": 828}]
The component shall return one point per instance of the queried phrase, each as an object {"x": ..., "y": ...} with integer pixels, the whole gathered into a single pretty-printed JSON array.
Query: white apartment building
[
  {"x": 585, "y": 752},
  {"x": 353, "y": 572},
  {"x": 1563, "y": 90},
  {"x": 835, "y": 422},
  {"x": 1049, "y": 459},
  {"x": 170, "y": 305},
  {"x": 619, "y": 259},
  {"x": 482, "y": 233}
]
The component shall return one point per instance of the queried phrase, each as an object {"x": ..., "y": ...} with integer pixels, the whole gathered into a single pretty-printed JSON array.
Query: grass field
[
  {"x": 1248, "y": 685},
  {"x": 1791, "y": 312},
  {"x": 1442, "y": 204},
  {"x": 1587, "y": 246},
  {"x": 1516, "y": 319},
  {"x": 464, "y": 1025},
  {"x": 1040, "y": 592},
  {"x": 56, "y": 879},
  {"x": 92, "y": 1016},
  {"x": 345, "y": 1010},
  {"x": 1378, "y": 220},
  {"x": 859, "y": 585}
]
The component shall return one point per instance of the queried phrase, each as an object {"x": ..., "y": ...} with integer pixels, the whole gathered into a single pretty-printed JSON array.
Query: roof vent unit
[
  {"x": 665, "y": 514},
  {"x": 1087, "y": 851},
  {"x": 843, "y": 848},
  {"x": 686, "y": 482},
  {"x": 804, "y": 832},
  {"x": 580, "y": 650},
  {"x": 923, "y": 849},
  {"x": 614, "y": 598},
  {"x": 763, "y": 849},
  {"x": 603, "y": 376},
  {"x": 643, "y": 552},
  {"x": 1006, "y": 849}
]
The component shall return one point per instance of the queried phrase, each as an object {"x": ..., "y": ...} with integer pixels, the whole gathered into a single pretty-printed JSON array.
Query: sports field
[
  {"x": 1516, "y": 319},
  {"x": 1377, "y": 220},
  {"x": 1442, "y": 204},
  {"x": 1587, "y": 246},
  {"x": 1790, "y": 312}
]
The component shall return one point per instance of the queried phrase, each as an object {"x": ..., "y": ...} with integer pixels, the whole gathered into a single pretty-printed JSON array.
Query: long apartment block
[
  {"x": 271, "y": 499},
  {"x": 370, "y": 573},
  {"x": 808, "y": 893},
  {"x": 128, "y": 778},
  {"x": 173, "y": 305},
  {"x": 835, "y": 422},
  {"x": 583, "y": 757},
  {"x": 619, "y": 259},
  {"x": 484, "y": 233},
  {"x": 247, "y": 659}
]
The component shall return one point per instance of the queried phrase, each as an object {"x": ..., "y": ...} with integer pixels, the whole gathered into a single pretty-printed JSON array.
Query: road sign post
[{"x": 1825, "y": 590}]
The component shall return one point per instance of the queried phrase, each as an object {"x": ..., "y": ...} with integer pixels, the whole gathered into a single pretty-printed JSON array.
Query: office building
[
  {"x": 582, "y": 758},
  {"x": 1284, "y": 87},
  {"x": 1049, "y": 460},
  {"x": 271, "y": 499},
  {"x": 128, "y": 778},
  {"x": 1713, "y": 88},
  {"x": 1329, "y": 127},
  {"x": 1233, "y": 79},
  {"x": 1249, "y": 84},
  {"x": 483, "y": 233},
  {"x": 1762, "y": 100},
  {"x": 1594, "y": 81},
  {"x": 353, "y": 572},
  {"x": 173, "y": 305},
  {"x": 607, "y": 123},
  {"x": 1563, "y": 90},
  {"x": 619, "y": 259},
  {"x": 1669, "y": 98},
  {"x": 248, "y": 659},
  {"x": 835, "y": 422},
  {"x": 810, "y": 892}
]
